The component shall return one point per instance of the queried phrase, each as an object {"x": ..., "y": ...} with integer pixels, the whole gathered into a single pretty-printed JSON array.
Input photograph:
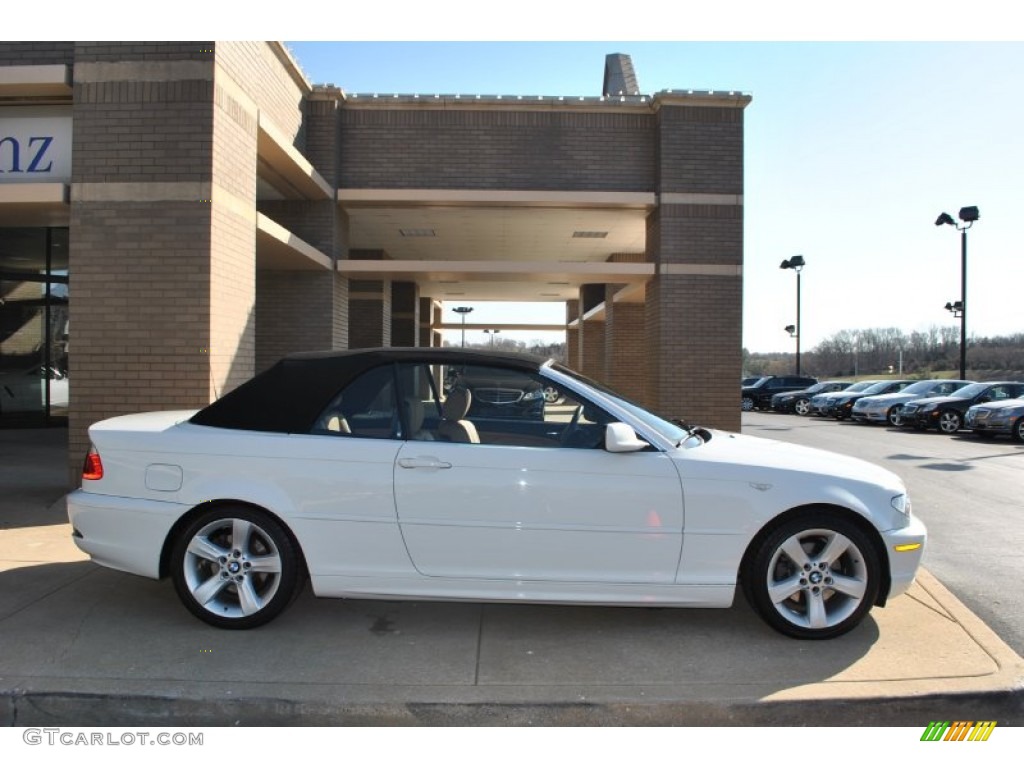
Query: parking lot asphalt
[{"x": 88, "y": 646}]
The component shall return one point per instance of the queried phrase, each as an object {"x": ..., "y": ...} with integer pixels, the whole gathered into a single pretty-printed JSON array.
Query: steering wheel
[{"x": 570, "y": 429}]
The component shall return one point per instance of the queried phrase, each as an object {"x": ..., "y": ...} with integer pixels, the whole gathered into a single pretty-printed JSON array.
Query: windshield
[
  {"x": 918, "y": 387},
  {"x": 860, "y": 386},
  {"x": 667, "y": 429},
  {"x": 817, "y": 387},
  {"x": 877, "y": 387},
  {"x": 971, "y": 390}
]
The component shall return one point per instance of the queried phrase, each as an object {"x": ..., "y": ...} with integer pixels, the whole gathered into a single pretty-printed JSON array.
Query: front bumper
[
  {"x": 122, "y": 533},
  {"x": 921, "y": 419},
  {"x": 989, "y": 422},
  {"x": 903, "y": 565}
]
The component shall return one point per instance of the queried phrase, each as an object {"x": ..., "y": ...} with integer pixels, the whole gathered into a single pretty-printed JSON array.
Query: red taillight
[{"x": 92, "y": 469}]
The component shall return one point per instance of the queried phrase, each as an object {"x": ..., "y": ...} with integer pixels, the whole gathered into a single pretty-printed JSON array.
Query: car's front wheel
[
  {"x": 895, "y": 415},
  {"x": 235, "y": 567},
  {"x": 813, "y": 577},
  {"x": 802, "y": 406},
  {"x": 949, "y": 422},
  {"x": 1018, "y": 430},
  {"x": 747, "y": 404},
  {"x": 551, "y": 394}
]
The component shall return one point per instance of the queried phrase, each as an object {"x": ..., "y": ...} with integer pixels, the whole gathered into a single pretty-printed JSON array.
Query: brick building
[{"x": 176, "y": 216}]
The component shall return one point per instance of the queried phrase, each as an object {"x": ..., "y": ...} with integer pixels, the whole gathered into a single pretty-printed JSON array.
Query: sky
[
  {"x": 852, "y": 149},
  {"x": 863, "y": 126}
]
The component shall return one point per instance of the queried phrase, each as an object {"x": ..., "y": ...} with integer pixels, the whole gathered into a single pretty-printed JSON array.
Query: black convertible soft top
[{"x": 290, "y": 395}]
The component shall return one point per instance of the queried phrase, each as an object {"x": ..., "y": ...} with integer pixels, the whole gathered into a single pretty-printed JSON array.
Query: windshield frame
[{"x": 669, "y": 433}]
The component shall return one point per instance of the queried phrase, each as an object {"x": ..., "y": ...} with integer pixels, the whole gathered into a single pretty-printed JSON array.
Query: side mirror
[{"x": 620, "y": 438}]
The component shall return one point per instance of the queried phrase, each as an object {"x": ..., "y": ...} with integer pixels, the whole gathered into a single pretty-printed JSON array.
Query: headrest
[{"x": 457, "y": 405}]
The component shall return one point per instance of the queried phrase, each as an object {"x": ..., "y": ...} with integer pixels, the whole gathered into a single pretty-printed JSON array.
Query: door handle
[{"x": 424, "y": 462}]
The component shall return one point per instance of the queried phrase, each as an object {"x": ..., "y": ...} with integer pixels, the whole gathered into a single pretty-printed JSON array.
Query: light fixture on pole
[
  {"x": 796, "y": 263},
  {"x": 490, "y": 332},
  {"x": 968, "y": 216},
  {"x": 463, "y": 311}
]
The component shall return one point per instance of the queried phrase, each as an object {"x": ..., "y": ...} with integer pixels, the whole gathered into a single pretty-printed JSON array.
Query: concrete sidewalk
[{"x": 87, "y": 646}]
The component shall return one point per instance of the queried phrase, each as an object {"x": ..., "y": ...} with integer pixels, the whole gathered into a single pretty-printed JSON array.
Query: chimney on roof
[{"x": 619, "y": 78}]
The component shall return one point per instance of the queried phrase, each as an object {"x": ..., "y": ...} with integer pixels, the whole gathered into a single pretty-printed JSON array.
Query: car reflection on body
[
  {"x": 1004, "y": 417},
  {"x": 359, "y": 470},
  {"x": 888, "y": 408}
]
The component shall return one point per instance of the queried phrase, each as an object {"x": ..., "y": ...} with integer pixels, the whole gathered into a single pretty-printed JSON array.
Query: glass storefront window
[{"x": 34, "y": 380}]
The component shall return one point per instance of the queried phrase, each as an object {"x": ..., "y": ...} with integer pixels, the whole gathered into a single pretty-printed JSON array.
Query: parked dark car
[
  {"x": 1004, "y": 417},
  {"x": 822, "y": 404},
  {"x": 842, "y": 407},
  {"x": 799, "y": 402},
  {"x": 510, "y": 396},
  {"x": 759, "y": 396},
  {"x": 946, "y": 414}
]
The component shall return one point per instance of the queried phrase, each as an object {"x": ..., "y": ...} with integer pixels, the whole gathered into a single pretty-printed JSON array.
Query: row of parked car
[{"x": 984, "y": 408}]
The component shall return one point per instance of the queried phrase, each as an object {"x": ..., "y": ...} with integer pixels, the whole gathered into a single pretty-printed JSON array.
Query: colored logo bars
[{"x": 961, "y": 730}]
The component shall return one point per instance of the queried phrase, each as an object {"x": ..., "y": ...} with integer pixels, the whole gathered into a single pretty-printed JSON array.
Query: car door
[{"x": 537, "y": 498}]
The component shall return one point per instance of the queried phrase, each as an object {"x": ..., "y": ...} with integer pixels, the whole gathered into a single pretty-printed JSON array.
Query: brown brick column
[
  {"x": 160, "y": 310},
  {"x": 429, "y": 316},
  {"x": 572, "y": 335},
  {"x": 694, "y": 305},
  {"x": 369, "y": 314},
  {"x": 405, "y": 314},
  {"x": 625, "y": 348}
]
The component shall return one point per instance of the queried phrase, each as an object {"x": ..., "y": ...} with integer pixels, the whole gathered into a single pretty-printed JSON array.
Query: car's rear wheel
[
  {"x": 949, "y": 422},
  {"x": 802, "y": 406},
  {"x": 895, "y": 416},
  {"x": 747, "y": 404},
  {"x": 235, "y": 567},
  {"x": 813, "y": 577},
  {"x": 1018, "y": 430}
]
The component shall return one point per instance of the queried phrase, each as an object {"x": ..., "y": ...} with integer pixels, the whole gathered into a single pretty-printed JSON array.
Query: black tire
[
  {"x": 801, "y": 600},
  {"x": 747, "y": 404},
  {"x": 1018, "y": 430},
  {"x": 802, "y": 407},
  {"x": 236, "y": 585},
  {"x": 950, "y": 422}
]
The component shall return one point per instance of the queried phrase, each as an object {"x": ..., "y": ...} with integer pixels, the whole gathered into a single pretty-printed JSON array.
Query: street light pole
[
  {"x": 968, "y": 216},
  {"x": 463, "y": 311},
  {"x": 796, "y": 263}
]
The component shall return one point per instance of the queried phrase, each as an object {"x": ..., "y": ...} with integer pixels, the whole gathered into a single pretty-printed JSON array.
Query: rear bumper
[{"x": 122, "y": 533}]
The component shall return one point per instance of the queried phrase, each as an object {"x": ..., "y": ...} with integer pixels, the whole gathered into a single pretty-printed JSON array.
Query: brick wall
[
  {"x": 625, "y": 351},
  {"x": 700, "y": 149},
  {"x": 496, "y": 149},
  {"x": 369, "y": 314},
  {"x": 19, "y": 54}
]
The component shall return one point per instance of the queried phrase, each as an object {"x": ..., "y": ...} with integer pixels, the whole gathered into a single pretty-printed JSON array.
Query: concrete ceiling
[{"x": 498, "y": 234}]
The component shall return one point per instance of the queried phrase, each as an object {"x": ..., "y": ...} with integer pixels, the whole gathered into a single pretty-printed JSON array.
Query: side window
[
  {"x": 364, "y": 408},
  {"x": 490, "y": 405}
]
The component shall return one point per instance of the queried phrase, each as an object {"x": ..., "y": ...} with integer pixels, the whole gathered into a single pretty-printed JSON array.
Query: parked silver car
[
  {"x": 997, "y": 418},
  {"x": 882, "y": 409}
]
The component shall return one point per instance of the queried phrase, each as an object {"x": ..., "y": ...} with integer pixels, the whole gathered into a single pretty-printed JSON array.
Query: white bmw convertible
[{"x": 447, "y": 474}]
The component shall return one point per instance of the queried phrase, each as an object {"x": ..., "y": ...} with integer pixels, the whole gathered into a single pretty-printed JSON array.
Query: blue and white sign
[{"x": 35, "y": 144}]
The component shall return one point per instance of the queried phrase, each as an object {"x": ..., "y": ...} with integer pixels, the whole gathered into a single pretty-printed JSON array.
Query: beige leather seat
[
  {"x": 415, "y": 414},
  {"x": 454, "y": 426},
  {"x": 338, "y": 423}
]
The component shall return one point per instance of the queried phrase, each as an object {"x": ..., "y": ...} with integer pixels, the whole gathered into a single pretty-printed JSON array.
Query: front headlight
[
  {"x": 901, "y": 504},
  {"x": 535, "y": 394}
]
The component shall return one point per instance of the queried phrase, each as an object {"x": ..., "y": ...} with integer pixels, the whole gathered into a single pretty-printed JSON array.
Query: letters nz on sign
[{"x": 35, "y": 148}]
